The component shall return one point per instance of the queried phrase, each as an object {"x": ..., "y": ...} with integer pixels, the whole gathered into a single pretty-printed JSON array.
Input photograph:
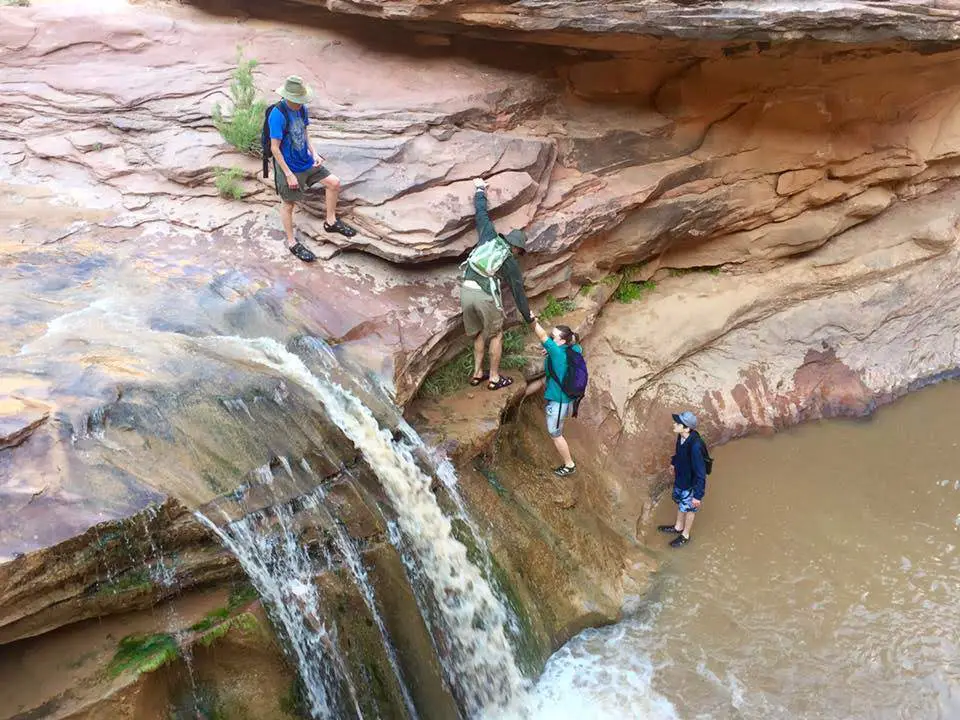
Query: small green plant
[
  {"x": 240, "y": 595},
  {"x": 244, "y": 622},
  {"x": 212, "y": 618},
  {"x": 452, "y": 376},
  {"x": 679, "y": 272},
  {"x": 556, "y": 308},
  {"x": 627, "y": 292},
  {"x": 143, "y": 653},
  {"x": 228, "y": 182},
  {"x": 449, "y": 377},
  {"x": 15, "y": 3},
  {"x": 242, "y": 127}
]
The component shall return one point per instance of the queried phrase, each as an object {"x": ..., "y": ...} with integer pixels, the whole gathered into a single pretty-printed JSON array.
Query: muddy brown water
[{"x": 823, "y": 581}]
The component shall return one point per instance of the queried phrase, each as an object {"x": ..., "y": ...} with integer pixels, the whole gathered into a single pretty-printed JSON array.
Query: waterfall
[
  {"x": 283, "y": 573},
  {"x": 478, "y": 662}
]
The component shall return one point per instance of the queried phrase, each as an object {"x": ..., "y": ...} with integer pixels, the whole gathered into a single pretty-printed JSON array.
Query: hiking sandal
[
  {"x": 679, "y": 541},
  {"x": 565, "y": 470},
  {"x": 475, "y": 380},
  {"x": 503, "y": 382},
  {"x": 339, "y": 226},
  {"x": 303, "y": 252}
]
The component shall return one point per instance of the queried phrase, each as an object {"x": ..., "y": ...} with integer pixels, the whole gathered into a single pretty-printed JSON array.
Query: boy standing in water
[{"x": 689, "y": 477}]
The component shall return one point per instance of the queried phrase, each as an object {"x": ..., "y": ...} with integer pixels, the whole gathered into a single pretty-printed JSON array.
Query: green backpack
[{"x": 487, "y": 259}]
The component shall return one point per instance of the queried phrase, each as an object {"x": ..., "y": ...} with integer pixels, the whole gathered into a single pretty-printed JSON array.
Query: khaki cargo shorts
[
  {"x": 480, "y": 313},
  {"x": 305, "y": 179}
]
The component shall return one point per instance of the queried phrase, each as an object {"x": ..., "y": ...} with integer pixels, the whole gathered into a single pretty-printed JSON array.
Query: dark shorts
[
  {"x": 306, "y": 179},
  {"x": 480, "y": 313},
  {"x": 683, "y": 499}
]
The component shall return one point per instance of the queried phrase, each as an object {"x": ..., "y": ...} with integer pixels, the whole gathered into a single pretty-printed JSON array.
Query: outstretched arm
[
  {"x": 538, "y": 329},
  {"x": 484, "y": 225},
  {"x": 511, "y": 270}
]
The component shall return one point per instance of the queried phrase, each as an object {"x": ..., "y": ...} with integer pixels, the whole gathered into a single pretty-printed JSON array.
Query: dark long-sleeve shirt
[
  {"x": 690, "y": 471},
  {"x": 509, "y": 271}
]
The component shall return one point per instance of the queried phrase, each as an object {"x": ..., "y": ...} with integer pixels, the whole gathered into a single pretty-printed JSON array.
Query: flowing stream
[{"x": 823, "y": 581}]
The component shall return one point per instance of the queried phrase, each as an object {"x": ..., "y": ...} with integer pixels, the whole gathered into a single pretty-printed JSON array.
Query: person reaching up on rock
[
  {"x": 297, "y": 165},
  {"x": 558, "y": 362},
  {"x": 492, "y": 260},
  {"x": 689, "y": 477}
]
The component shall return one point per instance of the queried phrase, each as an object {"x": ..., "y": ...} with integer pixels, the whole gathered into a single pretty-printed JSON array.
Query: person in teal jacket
[{"x": 559, "y": 406}]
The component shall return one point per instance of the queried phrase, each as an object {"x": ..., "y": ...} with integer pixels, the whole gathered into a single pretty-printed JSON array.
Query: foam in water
[
  {"x": 590, "y": 678},
  {"x": 479, "y": 661}
]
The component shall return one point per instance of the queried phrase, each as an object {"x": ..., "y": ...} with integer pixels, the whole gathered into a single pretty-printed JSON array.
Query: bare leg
[
  {"x": 688, "y": 523},
  {"x": 286, "y": 216},
  {"x": 479, "y": 345},
  {"x": 564, "y": 450},
  {"x": 332, "y": 185},
  {"x": 496, "y": 350},
  {"x": 680, "y": 518}
]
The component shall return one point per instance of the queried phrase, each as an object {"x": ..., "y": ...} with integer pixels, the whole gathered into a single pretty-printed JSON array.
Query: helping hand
[{"x": 480, "y": 183}]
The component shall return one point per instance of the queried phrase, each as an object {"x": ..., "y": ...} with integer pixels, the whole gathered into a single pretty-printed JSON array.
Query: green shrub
[
  {"x": 228, "y": 182},
  {"x": 556, "y": 308},
  {"x": 143, "y": 653},
  {"x": 454, "y": 375},
  {"x": 627, "y": 292},
  {"x": 243, "y": 125}
]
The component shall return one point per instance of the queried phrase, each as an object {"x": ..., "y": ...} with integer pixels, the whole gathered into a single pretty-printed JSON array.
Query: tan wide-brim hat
[{"x": 295, "y": 90}]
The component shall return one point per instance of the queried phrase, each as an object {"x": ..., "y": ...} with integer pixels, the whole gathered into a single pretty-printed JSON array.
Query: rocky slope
[{"x": 777, "y": 182}]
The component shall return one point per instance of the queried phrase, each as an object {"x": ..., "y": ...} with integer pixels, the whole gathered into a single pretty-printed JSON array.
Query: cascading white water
[
  {"x": 480, "y": 665},
  {"x": 283, "y": 573},
  {"x": 351, "y": 556}
]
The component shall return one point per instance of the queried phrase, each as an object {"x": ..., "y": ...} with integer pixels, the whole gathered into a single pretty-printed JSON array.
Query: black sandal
[
  {"x": 339, "y": 226},
  {"x": 668, "y": 529},
  {"x": 503, "y": 382},
  {"x": 303, "y": 252},
  {"x": 474, "y": 381},
  {"x": 565, "y": 470}
]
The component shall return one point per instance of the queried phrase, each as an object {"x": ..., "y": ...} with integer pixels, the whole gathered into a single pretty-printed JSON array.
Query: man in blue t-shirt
[{"x": 297, "y": 165}]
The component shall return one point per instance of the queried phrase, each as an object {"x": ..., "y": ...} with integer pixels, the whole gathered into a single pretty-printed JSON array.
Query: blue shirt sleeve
[
  {"x": 699, "y": 470},
  {"x": 276, "y": 122}
]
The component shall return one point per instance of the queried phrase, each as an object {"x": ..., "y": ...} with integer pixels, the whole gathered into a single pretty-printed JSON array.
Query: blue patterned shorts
[{"x": 683, "y": 499}]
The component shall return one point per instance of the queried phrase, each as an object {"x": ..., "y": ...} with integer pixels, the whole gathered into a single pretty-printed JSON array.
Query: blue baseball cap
[{"x": 686, "y": 418}]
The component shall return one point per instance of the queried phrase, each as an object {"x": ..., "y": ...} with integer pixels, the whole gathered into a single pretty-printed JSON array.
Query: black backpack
[
  {"x": 707, "y": 460},
  {"x": 266, "y": 149}
]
